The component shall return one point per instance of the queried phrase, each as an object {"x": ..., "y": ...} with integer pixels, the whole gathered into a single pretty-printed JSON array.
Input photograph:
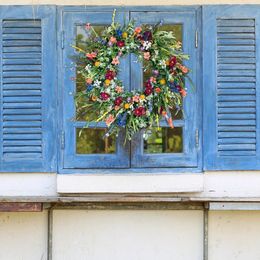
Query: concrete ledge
[{"x": 135, "y": 183}]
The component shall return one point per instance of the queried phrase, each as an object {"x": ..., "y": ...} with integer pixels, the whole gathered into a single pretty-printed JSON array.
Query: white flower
[
  {"x": 97, "y": 83},
  {"x": 147, "y": 45},
  {"x": 88, "y": 67}
]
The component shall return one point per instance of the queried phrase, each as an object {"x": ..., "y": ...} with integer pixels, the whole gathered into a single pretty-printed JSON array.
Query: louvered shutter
[
  {"x": 231, "y": 87},
  {"x": 27, "y": 89}
]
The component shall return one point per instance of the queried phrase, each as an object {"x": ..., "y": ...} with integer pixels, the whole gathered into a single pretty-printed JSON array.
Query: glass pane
[
  {"x": 84, "y": 112},
  {"x": 164, "y": 140},
  {"x": 92, "y": 141},
  {"x": 177, "y": 30}
]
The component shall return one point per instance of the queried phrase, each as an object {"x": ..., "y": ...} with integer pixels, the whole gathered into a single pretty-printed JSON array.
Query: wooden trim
[{"x": 20, "y": 207}]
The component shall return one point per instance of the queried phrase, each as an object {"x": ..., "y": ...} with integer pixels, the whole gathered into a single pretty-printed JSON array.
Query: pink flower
[
  {"x": 87, "y": 26},
  {"x": 120, "y": 44},
  {"x": 183, "y": 92},
  {"x": 89, "y": 80},
  {"x": 147, "y": 55},
  {"x": 118, "y": 101},
  {"x": 153, "y": 79},
  {"x": 136, "y": 99},
  {"x": 138, "y": 30},
  {"x": 109, "y": 120},
  {"x": 117, "y": 108},
  {"x": 115, "y": 61},
  {"x": 119, "y": 89}
]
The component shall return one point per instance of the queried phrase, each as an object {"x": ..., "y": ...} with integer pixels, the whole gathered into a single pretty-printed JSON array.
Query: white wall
[
  {"x": 23, "y": 236},
  {"x": 234, "y": 235},
  {"x": 127, "y": 235}
]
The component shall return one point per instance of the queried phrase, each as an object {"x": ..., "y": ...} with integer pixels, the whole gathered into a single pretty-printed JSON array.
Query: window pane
[
  {"x": 164, "y": 140},
  {"x": 84, "y": 112},
  {"x": 177, "y": 30},
  {"x": 92, "y": 141}
]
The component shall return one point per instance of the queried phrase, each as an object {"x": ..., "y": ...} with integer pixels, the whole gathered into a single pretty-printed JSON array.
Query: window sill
[{"x": 129, "y": 183}]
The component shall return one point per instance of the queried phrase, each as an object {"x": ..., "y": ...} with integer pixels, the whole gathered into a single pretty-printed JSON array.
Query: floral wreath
[{"x": 98, "y": 59}]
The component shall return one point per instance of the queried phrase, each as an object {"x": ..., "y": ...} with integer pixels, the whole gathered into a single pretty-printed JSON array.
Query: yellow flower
[
  {"x": 94, "y": 98},
  {"x": 97, "y": 63},
  {"x": 107, "y": 82},
  {"x": 124, "y": 35},
  {"x": 127, "y": 106},
  {"x": 142, "y": 97},
  {"x": 162, "y": 81}
]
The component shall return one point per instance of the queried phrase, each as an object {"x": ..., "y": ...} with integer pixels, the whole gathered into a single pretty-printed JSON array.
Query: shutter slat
[
  {"x": 27, "y": 136},
  {"x": 21, "y": 111},
  {"x": 23, "y": 117},
  {"x": 8, "y": 143},
  {"x": 237, "y": 134},
  {"x": 241, "y": 140},
  {"x": 238, "y": 97},
  {"x": 234, "y": 61},
  {"x": 22, "y": 30},
  {"x": 236, "y": 54},
  {"x": 236, "y": 116},
  {"x": 240, "y": 66},
  {"x": 25, "y": 92},
  {"x": 232, "y": 91},
  {"x": 22, "y": 67},
  {"x": 235, "y": 22}
]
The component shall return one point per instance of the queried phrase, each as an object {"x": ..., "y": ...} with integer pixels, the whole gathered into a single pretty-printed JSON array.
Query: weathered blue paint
[
  {"x": 189, "y": 157},
  {"x": 28, "y": 89},
  {"x": 70, "y": 159},
  {"x": 231, "y": 74}
]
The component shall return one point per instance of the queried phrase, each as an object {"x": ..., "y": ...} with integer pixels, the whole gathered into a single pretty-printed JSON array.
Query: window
[{"x": 85, "y": 147}]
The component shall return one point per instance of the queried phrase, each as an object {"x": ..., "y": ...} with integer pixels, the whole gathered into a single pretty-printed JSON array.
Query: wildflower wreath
[{"x": 98, "y": 64}]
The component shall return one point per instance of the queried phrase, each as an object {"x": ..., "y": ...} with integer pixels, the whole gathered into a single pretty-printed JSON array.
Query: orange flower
[
  {"x": 170, "y": 123},
  {"x": 89, "y": 80},
  {"x": 94, "y": 98},
  {"x": 167, "y": 62},
  {"x": 138, "y": 30},
  {"x": 117, "y": 108},
  {"x": 157, "y": 90},
  {"x": 183, "y": 92},
  {"x": 147, "y": 55},
  {"x": 112, "y": 39},
  {"x": 142, "y": 97},
  {"x": 91, "y": 55},
  {"x": 164, "y": 113},
  {"x": 184, "y": 69}
]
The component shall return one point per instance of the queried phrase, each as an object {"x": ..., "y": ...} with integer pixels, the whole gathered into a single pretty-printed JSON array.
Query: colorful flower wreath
[{"x": 98, "y": 59}]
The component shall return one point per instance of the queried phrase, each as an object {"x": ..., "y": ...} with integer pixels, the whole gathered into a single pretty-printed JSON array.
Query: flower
[
  {"x": 162, "y": 81},
  {"x": 147, "y": 45},
  {"x": 147, "y": 55},
  {"x": 113, "y": 39},
  {"x": 136, "y": 98},
  {"x": 148, "y": 91},
  {"x": 118, "y": 89},
  {"x": 115, "y": 61},
  {"x": 184, "y": 69},
  {"x": 142, "y": 97},
  {"x": 107, "y": 82},
  {"x": 172, "y": 62},
  {"x": 127, "y": 105},
  {"x": 124, "y": 35},
  {"x": 91, "y": 55},
  {"x": 90, "y": 87},
  {"x": 94, "y": 98},
  {"x": 155, "y": 73},
  {"x": 147, "y": 36},
  {"x": 110, "y": 74},
  {"x": 157, "y": 90},
  {"x": 138, "y": 30},
  {"x": 119, "y": 33},
  {"x": 152, "y": 79},
  {"x": 88, "y": 67},
  {"x": 183, "y": 92},
  {"x": 97, "y": 83},
  {"x": 139, "y": 111},
  {"x": 117, "y": 108},
  {"x": 118, "y": 101},
  {"x": 109, "y": 120},
  {"x": 89, "y": 80},
  {"x": 87, "y": 26},
  {"x": 97, "y": 63},
  {"x": 104, "y": 96},
  {"x": 148, "y": 84},
  {"x": 120, "y": 44},
  {"x": 170, "y": 123}
]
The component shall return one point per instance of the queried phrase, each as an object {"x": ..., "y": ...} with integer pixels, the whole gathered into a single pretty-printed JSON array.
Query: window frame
[{"x": 129, "y": 9}]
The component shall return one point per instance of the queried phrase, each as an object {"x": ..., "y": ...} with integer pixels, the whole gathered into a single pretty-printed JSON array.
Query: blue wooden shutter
[
  {"x": 27, "y": 51},
  {"x": 188, "y": 18},
  {"x": 231, "y": 74}
]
